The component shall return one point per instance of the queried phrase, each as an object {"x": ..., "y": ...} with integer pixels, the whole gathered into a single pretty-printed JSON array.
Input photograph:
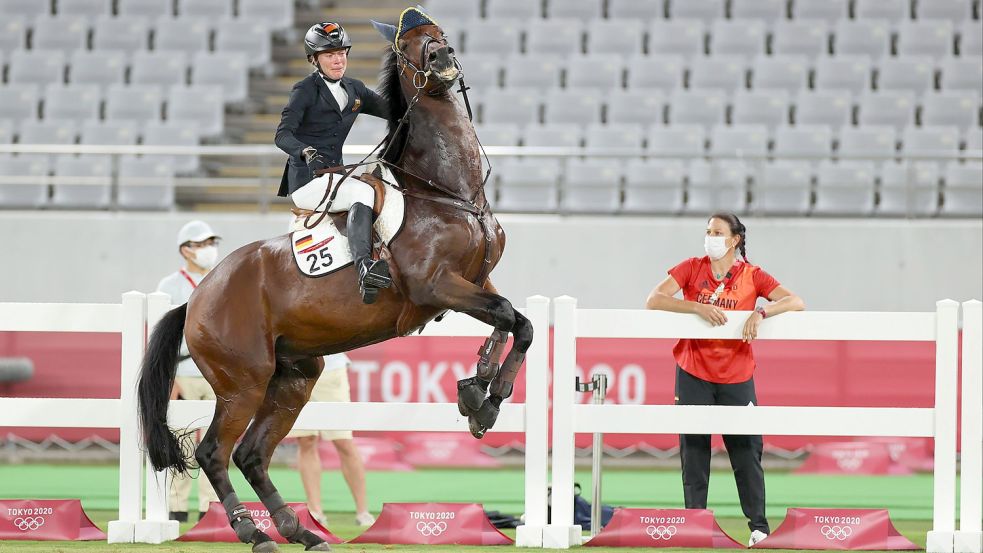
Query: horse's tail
[{"x": 154, "y": 391}]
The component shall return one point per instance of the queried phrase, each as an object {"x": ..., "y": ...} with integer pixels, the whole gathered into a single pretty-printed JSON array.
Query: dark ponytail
[{"x": 737, "y": 228}]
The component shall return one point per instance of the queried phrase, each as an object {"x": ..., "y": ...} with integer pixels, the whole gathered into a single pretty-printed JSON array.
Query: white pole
[
  {"x": 530, "y": 534},
  {"x": 969, "y": 537},
  {"x": 130, "y": 456},
  {"x": 940, "y": 538},
  {"x": 561, "y": 532}
]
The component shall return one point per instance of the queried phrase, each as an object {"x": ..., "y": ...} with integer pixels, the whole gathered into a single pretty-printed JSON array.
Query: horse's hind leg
[{"x": 286, "y": 395}]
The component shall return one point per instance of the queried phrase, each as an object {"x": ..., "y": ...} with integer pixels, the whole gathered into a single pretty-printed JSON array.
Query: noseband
[{"x": 421, "y": 77}]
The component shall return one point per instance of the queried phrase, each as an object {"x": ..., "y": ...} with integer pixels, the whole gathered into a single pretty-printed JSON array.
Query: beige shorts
[
  {"x": 194, "y": 387},
  {"x": 332, "y": 386}
]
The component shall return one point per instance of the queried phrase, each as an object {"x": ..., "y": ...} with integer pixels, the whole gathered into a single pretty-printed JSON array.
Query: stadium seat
[
  {"x": 522, "y": 71},
  {"x": 248, "y": 37},
  {"x": 498, "y": 134},
  {"x": 828, "y": 10},
  {"x": 823, "y": 107},
  {"x": 98, "y": 68},
  {"x": 171, "y": 133},
  {"x": 84, "y": 8},
  {"x": 742, "y": 37},
  {"x": 644, "y": 106},
  {"x": 654, "y": 186},
  {"x": 705, "y": 10},
  {"x": 182, "y": 34},
  {"x": 145, "y": 183},
  {"x": 682, "y": 37},
  {"x": 913, "y": 73},
  {"x": 930, "y": 141},
  {"x": 24, "y": 181},
  {"x": 784, "y": 188},
  {"x": 113, "y": 133},
  {"x": 599, "y": 71},
  {"x": 578, "y": 9},
  {"x": 36, "y": 67},
  {"x": 804, "y": 140},
  {"x": 725, "y": 72},
  {"x": 639, "y": 10},
  {"x": 869, "y": 37},
  {"x": 558, "y": 37},
  {"x": 678, "y": 140},
  {"x": 207, "y": 10},
  {"x": 664, "y": 72},
  {"x": 454, "y": 9},
  {"x": 974, "y": 139},
  {"x": 67, "y": 34},
  {"x": 47, "y": 132},
  {"x": 134, "y": 102},
  {"x": 367, "y": 130},
  {"x": 887, "y": 107},
  {"x": 512, "y": 9},
  {"x": 71, "y": 102},
  {"x": 150, "y": 9},
  {"x": 971, "y": 39},
  {"x": 484, "y": 71},
  {"x": 13, "y": 34},
  {"x": 925, "y": 37},
  {"x": 719, "y": 185},
  {"x": 957, "y": 108},
  {"x": 126, "y": 33},
  {"x": 199, "y": 104},
  {"x": 845, "y": 188},
  {"x": 164, "y": 68},
  {"x": 801, "y": 37},
  {"x": 761, "y": 106},
  {"x": 703, "y": 107},
  {"x": 617, "y": 37},
  {"x": 591, "y": 186},
  {"x": 572, "y": 105},
  {"x": 558, "y": 135},
  {"x": 953, "y": 10},
  {"x": 623, "y": 136},
  {"x": 277, "y": 14},
  {"x": 768, "y": 11},
  {"x": 908, "y": 189},
  {"x": 19, "y": 102},
  {"x": 82, "y": 181},
  {"x": 515, "y": 105},
  {"x": 483, "y": 36},
  {"x": 229, "y": 71},
  {"x": 28, "y": 9},
  {"x": 787, "y": 72},
  {"x": 964, "y": 73},
  {"x": 878, "y": 141},
  {"x": 852, "y": 73},
  {"x": 6, "y": 131},
  {"x": 740, "y": 141},
  {"x": 892, "y": 11},
  {"x": 963, "y": 189},
  {"x": 528, "y": 184}
]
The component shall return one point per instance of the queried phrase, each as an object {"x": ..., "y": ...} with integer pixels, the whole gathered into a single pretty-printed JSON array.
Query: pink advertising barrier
[
  {"x": 433, "y": 524},
  {"x": 214, "y": 526},
  {"x": 840, "y": 529},
  {"x": 860, "y": 457},
  {"x": 46, "y": 519},
  {"x": 663, "y": 528}
]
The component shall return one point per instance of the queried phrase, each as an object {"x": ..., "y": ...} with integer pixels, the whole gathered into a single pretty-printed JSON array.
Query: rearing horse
[{"x": 257, "y": 327}]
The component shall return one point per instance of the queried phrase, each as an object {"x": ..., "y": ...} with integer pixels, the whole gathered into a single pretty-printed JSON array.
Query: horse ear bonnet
[{"x": 411, "y": 18}]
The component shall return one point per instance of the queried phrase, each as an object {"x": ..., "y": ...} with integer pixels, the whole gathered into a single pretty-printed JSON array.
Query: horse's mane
[{"x": 392, "y": 93}]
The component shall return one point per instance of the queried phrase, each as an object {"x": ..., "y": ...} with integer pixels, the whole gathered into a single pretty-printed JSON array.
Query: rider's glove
[{"x": 315, "y": 161}]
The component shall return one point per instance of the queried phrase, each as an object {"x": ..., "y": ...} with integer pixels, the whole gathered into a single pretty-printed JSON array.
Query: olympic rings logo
[
  {"x": 431, "y": 528},
  {"x": 660, "y": 532},
  {"x": 264, "y": 524},
  {"x": 836, "y": 532},
  {"x": 25, "y": 524}
]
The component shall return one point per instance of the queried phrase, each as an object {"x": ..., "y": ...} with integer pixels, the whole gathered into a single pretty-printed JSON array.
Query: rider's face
[{"x": 333, "y": 63}]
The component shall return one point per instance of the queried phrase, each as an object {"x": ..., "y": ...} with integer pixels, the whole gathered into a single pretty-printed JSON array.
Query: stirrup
[{"x": 372, "y": 276}]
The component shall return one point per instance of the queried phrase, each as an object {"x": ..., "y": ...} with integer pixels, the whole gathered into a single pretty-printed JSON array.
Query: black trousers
[{"x": 744, "y": 451}]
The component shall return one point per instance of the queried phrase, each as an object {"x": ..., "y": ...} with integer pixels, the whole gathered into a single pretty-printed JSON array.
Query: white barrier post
[
  {"x": 561, "y": 533},
  {"x": 969, "y": 537},
  {"x": 940, "y": 538},
  {"x": 530, "y": 534},
  {"x": 156, "y": 527},
  {"x": 130, "y": 457}
]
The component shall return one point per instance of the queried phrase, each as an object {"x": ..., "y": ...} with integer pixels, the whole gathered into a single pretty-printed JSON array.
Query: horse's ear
[{"x": 387, "y": 31}]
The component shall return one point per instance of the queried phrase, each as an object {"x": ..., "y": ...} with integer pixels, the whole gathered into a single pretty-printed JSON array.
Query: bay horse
[{"x": 257, "y": 328}]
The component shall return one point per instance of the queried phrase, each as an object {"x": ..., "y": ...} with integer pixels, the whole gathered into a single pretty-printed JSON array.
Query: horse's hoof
[
  {"x": 323, "y": 546},
  {"x": 265, "y": 547},
  {"x": 477, "y": 430},
  {"x": 487, "y": 415},
  {"x": 470, "y": 395}
]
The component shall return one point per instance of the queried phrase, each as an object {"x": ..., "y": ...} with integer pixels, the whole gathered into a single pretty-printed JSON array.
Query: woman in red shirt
[{"x": 720, "y": 372}]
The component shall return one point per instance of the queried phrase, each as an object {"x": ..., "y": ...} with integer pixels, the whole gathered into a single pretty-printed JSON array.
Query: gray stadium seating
[
  {"x": 454, "y": 9},
  {"x": 644, "y": 106},
  {"x": 227, "y": 70},
  {"x": 143, "y": 8},
  {"x": 24, "y": 181},
  {"x": 971, "y": 39},
  {"x": 705, "y": 107},
  {"x": 953, "y": 10},
  {"x": 829, "y": 10},
  {"x": 930, "y": 141},
  {"x": 36, "y": 67},
  {"x": 6, "y": 131},
  {"x": 145, "y": 183},
  {"x": 784, "y": 188},
  {"x": 908, "y": 188},
  {"x": 804, "y": 140},
  {"x": 706, "y": 10},
  {"x": 893, "y": 11},
  {"x": 13, "y": 34},
  {"x": 367, "y": 130},
  {"x": 616, "y": 36},
  {"x": 572, "y": 105},
  {"x": 47, "y": 132},
  {"x": 788, "y": 72},
  {"x": 768, "y": 11},
  {"x": 278, "y": 14},
  {"x": 737, "y": 37},
  {"x": 642, "y": 10},
  {"x": 19, "y": 102},
  {"x": 760, "y": 106},
  {"x": 925, "y": 37},
  {"x": 512, "y": 9},
  {"x": 579, "y": 9},
  {"x": 522, "y": 71},
  {"x": 869, "y": 37},
  {"x": 957, "y": 108},
  {"x": 528, "y": 184},
  {"x": 484, "y": 71},
  {"x": 665, "y": 72},
  {"x": 71, "y": 102},
  {"x": 208, "y": 10},
  {"x": 501, "y": 36},
  {"x": 67, "y": 34},
  {"x": 626, "y": 136},
  {"x": 134, "y": 102},
  {"x": 248, "y": 37},
  {"x": 964, "y": 73},
  {"x": 164, "y": 68},
  {"x": 498, "y": 134},
  {"x": 182, "y": 34},
  {"x": 677, "y": 140},
  {"x": 845, "y": 188},
  {"x": 26, "y": 8},
  {"x": 558, "y": 135},
  {"x": 851, "y": 72},
  {"x": 739, "y": 141},
  {"x": 683, "y": 37},
  {"x": 974, "y": 139},
  {"x": 126, "y": 33},
  {"x": 912, "y": 73},
  {"x": 84, "y": 8},
  {"x": 82, "y": 182},
  {"x": 599, "y": 71},
  {"x": 870, "y": 140},
  {"x": 724, "y": 72},
  {"x": 805, "y": 37},
  {"x": 591, "y": 186},
  {"x": 559, "y": 37},
  {"x": 887, "y": 107},
  {"x": 101, "y": 68},
  {"x": 716, "y": 185},
  {"x": 198, "y": 104},
  {"x": 514, "y": 105},
  {"x": 963, "y": 189},
  {"x": 113, "y": 133},
  {"x": 654, "y": 186},
  {"x": 173, "y": 133},
  {"x": 830, "y": 107}
]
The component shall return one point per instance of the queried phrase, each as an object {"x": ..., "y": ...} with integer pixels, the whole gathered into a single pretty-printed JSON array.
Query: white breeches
[{"x": 350, "y": 192}]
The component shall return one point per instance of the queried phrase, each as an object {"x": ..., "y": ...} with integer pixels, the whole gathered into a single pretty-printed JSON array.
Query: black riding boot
[{"x": 372, "y": 274}]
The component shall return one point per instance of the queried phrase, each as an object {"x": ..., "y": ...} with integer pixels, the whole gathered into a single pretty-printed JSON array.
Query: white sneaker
[
  {"x": 323, "y": 520},
  {"x": 756, "y": 536},
  {"x": 364, "y": 519}
]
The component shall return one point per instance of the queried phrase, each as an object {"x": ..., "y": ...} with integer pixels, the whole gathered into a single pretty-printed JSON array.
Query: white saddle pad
[{"x": 323, "y": 250}]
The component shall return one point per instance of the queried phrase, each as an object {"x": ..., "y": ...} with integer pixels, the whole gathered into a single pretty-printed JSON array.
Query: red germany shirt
[{"x": 720, "y": 361}]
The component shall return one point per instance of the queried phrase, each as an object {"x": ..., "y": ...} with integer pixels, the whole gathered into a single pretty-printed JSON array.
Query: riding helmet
[{"x": 325, "y": 36}]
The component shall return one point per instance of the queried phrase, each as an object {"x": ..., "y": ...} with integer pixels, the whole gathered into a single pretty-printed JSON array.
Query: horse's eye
[{"x": 450, "y": 49}]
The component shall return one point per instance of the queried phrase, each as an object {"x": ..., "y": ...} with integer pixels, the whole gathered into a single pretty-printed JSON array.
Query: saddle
[{"x": 376, "y": 183}]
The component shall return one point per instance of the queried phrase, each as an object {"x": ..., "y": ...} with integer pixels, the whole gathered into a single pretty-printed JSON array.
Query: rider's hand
[
  {"x": 315, "y": 161},
  {"x": 711, "y": 314}
]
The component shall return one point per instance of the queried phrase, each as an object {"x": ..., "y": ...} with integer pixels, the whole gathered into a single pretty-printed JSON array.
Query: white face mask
[
  {"x": 715, "y": 246},
  {"x": 205, "y": 257}
]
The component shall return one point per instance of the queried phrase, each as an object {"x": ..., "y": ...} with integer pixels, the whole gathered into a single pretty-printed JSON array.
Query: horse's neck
[{"x": 442, "y": 146}]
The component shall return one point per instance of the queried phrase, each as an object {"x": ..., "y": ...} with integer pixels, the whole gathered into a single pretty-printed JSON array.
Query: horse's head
[{"x": 426, "y": 61}]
